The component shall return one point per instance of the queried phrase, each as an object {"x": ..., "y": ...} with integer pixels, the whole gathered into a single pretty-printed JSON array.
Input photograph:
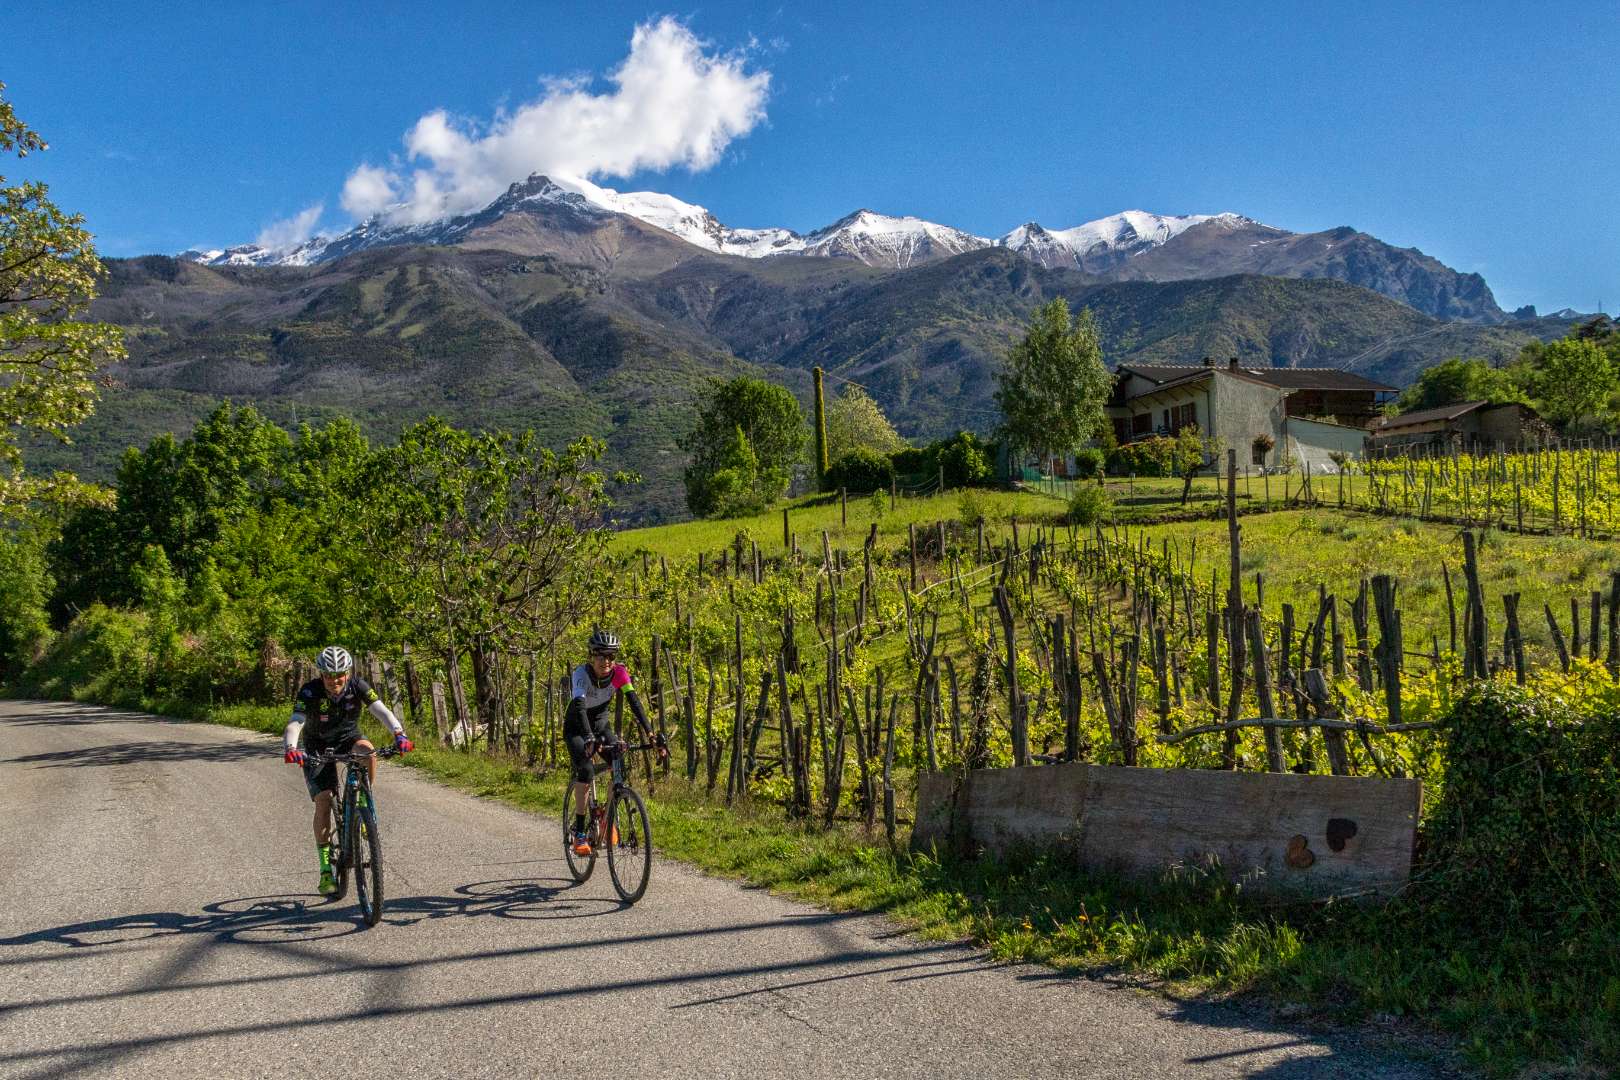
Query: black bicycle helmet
[{"x": 604, "y": 642}]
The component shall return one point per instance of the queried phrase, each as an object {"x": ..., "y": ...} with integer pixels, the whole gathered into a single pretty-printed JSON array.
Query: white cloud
[
  {"x": 369, "y": 190},
  {"x": 290, "y": 232},
  {"x": 671, "y": 104}
]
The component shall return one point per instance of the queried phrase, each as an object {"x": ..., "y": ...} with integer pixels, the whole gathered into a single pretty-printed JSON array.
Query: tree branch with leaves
[{"x": 48, "y": 356}]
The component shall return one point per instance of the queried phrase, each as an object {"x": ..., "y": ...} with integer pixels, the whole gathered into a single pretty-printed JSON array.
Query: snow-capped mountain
[
  {"x": 872, "y": 238},
  {"x": 1102, "y": 244},
  {"x": 310, "y": 251},
  {"x": 582, "y": 222},
  {"x": 880, "y": 240},
  {"x": 866, "y": 236}
]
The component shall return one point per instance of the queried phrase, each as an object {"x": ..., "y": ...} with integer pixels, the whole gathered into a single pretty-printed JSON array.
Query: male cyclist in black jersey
[
  {"x": 327, "y": 713},
  {"x": 595, "y": 683}
]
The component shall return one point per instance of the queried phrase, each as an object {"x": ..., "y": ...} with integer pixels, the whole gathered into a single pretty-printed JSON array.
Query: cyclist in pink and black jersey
[{"x": 595, "y": 683}]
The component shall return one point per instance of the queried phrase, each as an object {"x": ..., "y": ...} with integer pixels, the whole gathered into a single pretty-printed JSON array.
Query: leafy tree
[
  {"x": 1183, "y": 454},
  {"x": 484, "y": 542},
  {"x": 48, "y": 356},
  {"x": 964, "y": 457},
  {"x": 160, "y": 595},
  {"x": 772, "y": 426},
  {"x": 733, "y": 487},
  {"x": 25, "y": 586},
  {"x": 855, "y": 422},
  {"x": 1573, "y": 380},
  {"x": 177, "y": 494},
  {"x": 1052, "y": 389},
  {"x": 1457, "y": 380}
]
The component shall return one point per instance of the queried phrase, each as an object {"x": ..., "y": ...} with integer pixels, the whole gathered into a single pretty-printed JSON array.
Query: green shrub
[
  {"x": 1089, "y": 463},
  {"x": 103, "y": 655},
  {"x": 1145, "y": 457},
  {"x": 1090, "y": 504},
  {"x": 970, "y": 509},
  {"x": 1527, "y": 830},
  {"x": 965, "y": 458},
  {"x": 860, "y": 471}
]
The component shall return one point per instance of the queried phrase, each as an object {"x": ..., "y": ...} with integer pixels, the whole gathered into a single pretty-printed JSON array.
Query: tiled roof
[
  {"x": 1424, "y": 416},
  {"x": 1296, "y": 378}
]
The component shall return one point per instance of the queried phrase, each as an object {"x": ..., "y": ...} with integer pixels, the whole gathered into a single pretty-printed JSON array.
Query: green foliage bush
[
  {"x": 860, "y": 471},
  {"x": 1527, "y": 831},
  {"x": 970, "y": 509},
  {"x": 25, "y": 585},
  {"x": 1089, "y": 463},
  {"x": 1145, "y": 457},
  {"x": 104, "y": 655},
  {"x": 965, "y": 457},
  {"x": 1090, "y": 504}
]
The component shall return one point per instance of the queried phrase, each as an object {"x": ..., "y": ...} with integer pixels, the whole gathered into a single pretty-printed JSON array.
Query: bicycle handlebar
[
  {"x": 593, "y": 745},
  {"x": 353, "y": 757}
]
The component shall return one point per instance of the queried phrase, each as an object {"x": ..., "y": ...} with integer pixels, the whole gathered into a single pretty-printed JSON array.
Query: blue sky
[{"x": 1486, "y": 137}]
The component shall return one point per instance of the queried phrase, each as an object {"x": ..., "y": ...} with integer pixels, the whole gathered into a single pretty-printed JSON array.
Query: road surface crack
[{"x": 779, "y": 1002}]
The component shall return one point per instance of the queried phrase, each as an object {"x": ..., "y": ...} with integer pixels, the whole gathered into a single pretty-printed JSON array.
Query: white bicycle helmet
[{"x": 334, "y": 660}]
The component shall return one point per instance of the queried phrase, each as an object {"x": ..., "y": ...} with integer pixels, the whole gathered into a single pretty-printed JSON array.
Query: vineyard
[{"x": 821, "y": 659}]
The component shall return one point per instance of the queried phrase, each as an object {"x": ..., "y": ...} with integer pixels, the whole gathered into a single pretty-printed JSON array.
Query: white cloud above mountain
[
  {"x": 673, "y": 102},
  {"x": 290, "y": 232}
]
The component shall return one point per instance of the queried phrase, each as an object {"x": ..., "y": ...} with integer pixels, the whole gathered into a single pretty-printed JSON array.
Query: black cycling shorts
[
  {"x": 577, "y": 727},
  {"x": 325, "y": 777}
]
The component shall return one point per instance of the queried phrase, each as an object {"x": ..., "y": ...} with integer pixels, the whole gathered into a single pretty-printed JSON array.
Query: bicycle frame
[
  {"x": 596, "y": 810},
  {"x": 356, "y": 778}
]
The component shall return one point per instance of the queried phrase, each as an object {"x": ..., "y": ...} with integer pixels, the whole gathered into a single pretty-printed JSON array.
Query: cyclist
[
  {"x": 327, "y": 713},
  {"x": 595, "y": 683}
]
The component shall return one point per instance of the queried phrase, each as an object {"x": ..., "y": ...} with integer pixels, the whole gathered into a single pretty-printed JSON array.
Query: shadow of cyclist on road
[{"x": 310, "y": 917}]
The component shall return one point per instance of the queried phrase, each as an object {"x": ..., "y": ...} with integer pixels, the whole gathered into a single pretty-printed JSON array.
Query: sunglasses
[{"x": 602, "y": 656}]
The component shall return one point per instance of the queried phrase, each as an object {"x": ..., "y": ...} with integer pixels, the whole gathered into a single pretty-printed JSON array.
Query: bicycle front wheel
[
  {"x": 580, "y": 866},
  {"x": 629, "y": 845},
  {"x": 368, "y": 873},
  {"x": 342, "y": 848}
]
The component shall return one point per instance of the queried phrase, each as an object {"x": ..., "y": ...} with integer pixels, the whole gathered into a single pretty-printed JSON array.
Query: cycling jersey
[
  {"x": 334, "y": 719},
  {"x": 587, "y": 712}
]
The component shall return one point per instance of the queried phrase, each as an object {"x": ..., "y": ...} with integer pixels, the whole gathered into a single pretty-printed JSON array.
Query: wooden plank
[{"x": 1315, "y": 835}]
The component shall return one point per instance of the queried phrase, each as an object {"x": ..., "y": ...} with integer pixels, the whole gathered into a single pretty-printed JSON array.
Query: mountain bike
[
  {"x": 620, "y": 829},
  {"x": 356, "y": 844}
]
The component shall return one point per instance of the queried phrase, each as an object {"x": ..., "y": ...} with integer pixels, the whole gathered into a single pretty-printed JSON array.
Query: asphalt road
[{"x": 158, "y": 918}]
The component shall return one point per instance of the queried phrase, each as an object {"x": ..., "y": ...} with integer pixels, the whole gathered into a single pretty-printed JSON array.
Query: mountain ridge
[{"x": 1129, "y": 245}]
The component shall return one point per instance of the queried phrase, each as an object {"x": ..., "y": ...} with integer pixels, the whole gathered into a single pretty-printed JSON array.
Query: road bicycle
[
  {"x": 356, "y": 844},
  {"x": 620, "y": 829}
]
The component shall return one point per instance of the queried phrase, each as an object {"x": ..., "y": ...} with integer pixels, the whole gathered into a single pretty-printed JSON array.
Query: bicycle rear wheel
[
  {"x": 580, "y": 866},
  {"x": 368, "y": 872},
  {"x": 629, "y": 845}
]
